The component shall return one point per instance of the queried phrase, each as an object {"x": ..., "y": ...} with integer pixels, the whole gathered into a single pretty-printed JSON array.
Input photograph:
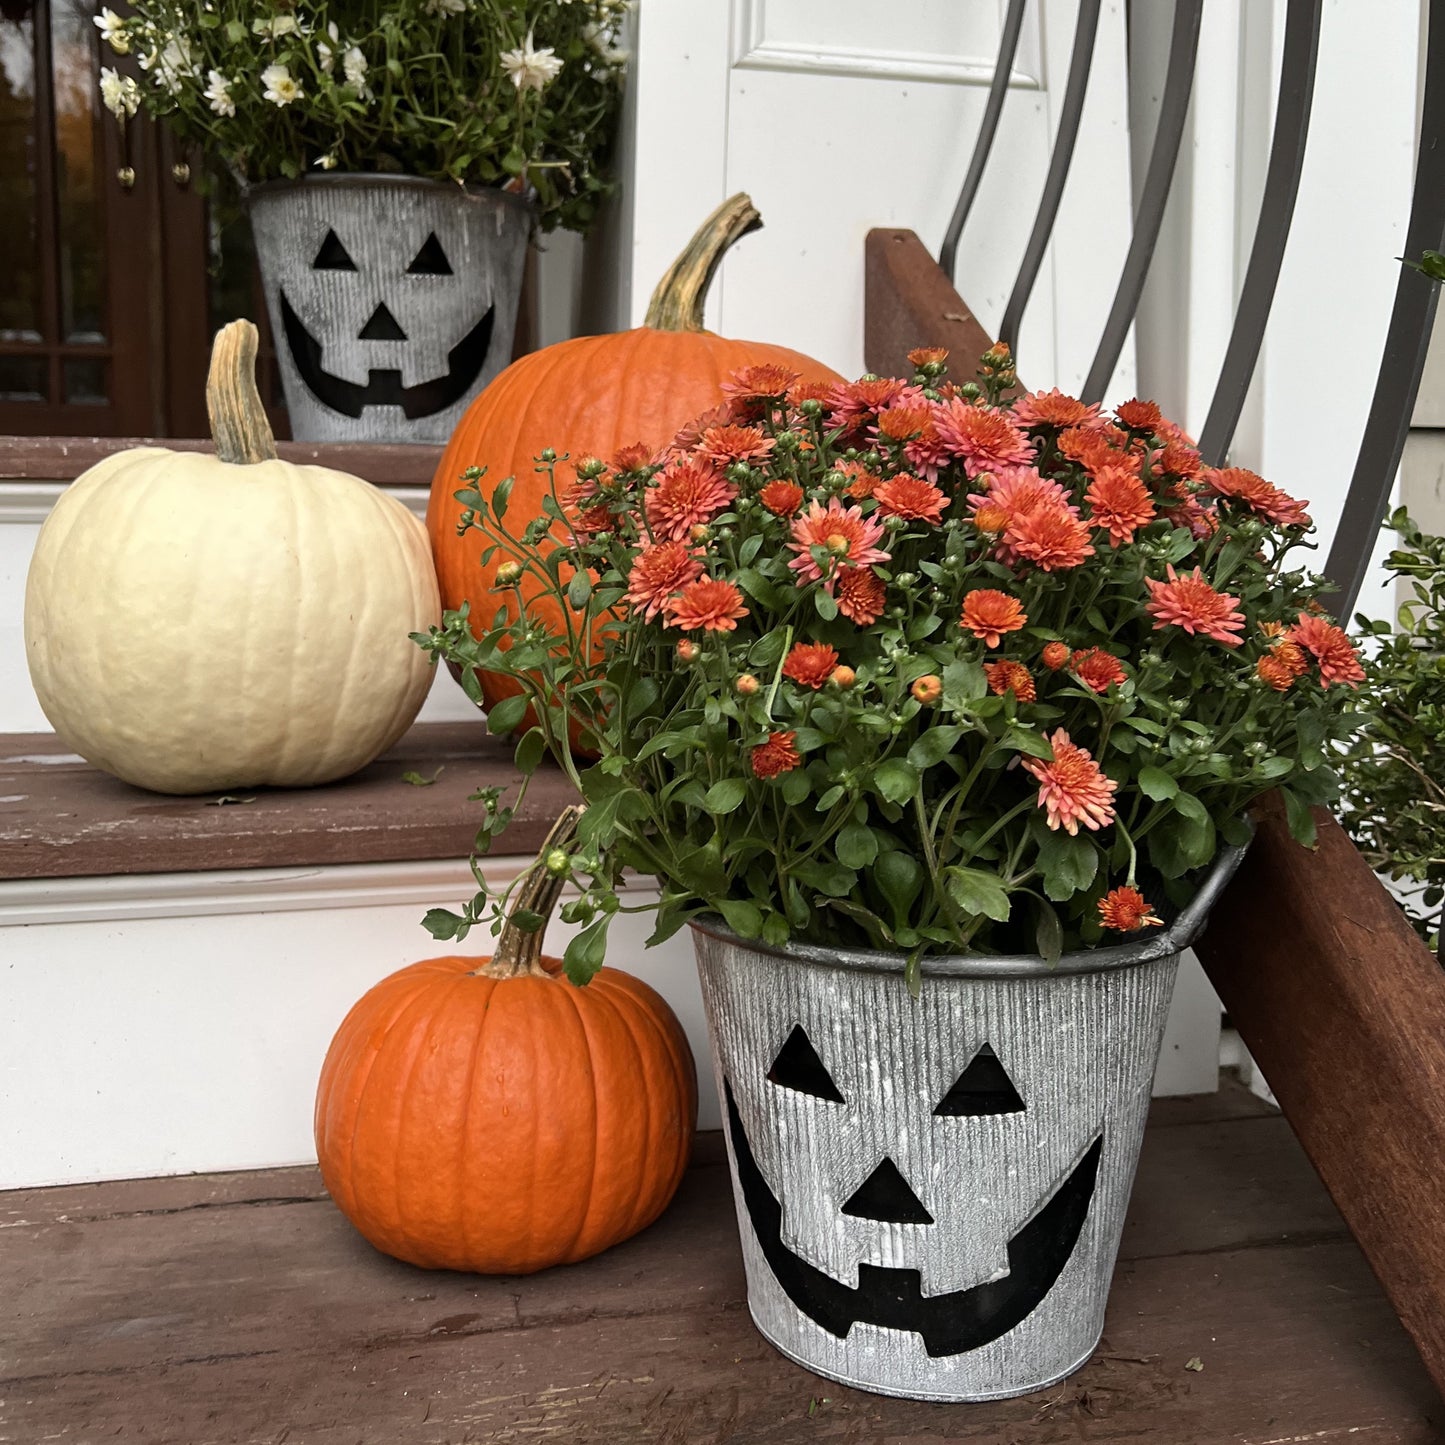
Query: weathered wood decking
[{"x": 243, "y": 1308}]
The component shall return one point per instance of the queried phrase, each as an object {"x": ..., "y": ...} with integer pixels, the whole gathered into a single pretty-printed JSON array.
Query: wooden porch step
[{"x": 243, "y": 1307}]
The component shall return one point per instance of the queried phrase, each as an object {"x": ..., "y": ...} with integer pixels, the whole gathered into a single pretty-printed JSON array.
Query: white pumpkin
[{"x": 196, "y": 623}]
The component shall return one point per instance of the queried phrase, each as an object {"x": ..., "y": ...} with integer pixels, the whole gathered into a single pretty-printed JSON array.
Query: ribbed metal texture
[
  {"x": 1080, "y": 1049},
  {"x": 410, "y": 311}
]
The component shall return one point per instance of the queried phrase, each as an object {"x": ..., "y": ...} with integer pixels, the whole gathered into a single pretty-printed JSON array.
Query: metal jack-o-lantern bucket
[
  {"x": 393, "y": 300},
  {"x": 930, "y": 1192}
]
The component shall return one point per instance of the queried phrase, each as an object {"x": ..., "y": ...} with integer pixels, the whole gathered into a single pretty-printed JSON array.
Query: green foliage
[
  {"x": 422, "y": 87},
  {"x": 813, "y": 766},
  {"x": 1394, "y": 778}
]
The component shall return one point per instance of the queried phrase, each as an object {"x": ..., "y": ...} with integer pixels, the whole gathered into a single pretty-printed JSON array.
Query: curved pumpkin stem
[
  {"x": 238, "y": 420},
  {"x": 678, "y": 301},
  {"x": 519, "y": 952}
]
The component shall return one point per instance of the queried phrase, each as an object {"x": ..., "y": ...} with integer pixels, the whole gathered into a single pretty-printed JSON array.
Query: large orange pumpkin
[
  {"x": 592, "y": 396},
  {"x": 487, "y": 1115}
]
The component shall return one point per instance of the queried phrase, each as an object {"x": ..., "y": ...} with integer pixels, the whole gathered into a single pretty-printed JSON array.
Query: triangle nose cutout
[
  {"x": 885, "y": 1196},
  {"x": 381, "y": 327}
]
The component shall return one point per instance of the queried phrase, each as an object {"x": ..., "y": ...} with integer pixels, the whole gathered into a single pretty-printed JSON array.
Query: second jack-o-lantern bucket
[
  {"x": 393, "y": 299},
  {"x": 930, "y": 1192}
]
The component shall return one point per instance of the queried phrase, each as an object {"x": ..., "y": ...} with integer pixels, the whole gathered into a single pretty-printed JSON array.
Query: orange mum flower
[
  {"x": 1191, "y": 603},
  {"x": 759, "y": 383},
  {"x": 861, "y": 482},
  {"x": 1277, "y": 667},
  {"x": 1139, "y": 415},
  {"x": 1262, "y": 497},
  {"x": 686, "y": 495},
  {"x": 989, "y": 613},
  {"x": 709, "y": 605},
  {"x": 810, "y": 664},
  {"x": 928, "y": 355},
  {"x": 848, "y": 536},
  {"x": 911, "y": 498},
  {"x": 1331, "y": 647},
  {"x": 1098, "y": 669},
  {"x": 1009, "y": 676},
  {"x": 803, "y": 391},
  {"x": 860, "y": 595},
  {"x": 1094, "y": 447},
  {"x": 990, "y": 518},
  {"x": 777, "y": 755},
  {"x": 1055, "y": 655},
  {"x": 782, "y": 499},
  {"x": 1051, "y": 538},
  {"x": 1072, "y": 787},
  {"x": 854, "y": 402},
  {"x": 927, "y": 689},
  {"x": 1178, "y": 459},
  {"x": 1053, "y": 408},
  {"x": 903, "y": 421},
  {"x": 985, "y": 441},
  {"x": 691, "y": 434},
  {"x": 724, "y": 444},
  {"x": 632, "y": 458},
  {"x": 658, "y": 573},
  {"x": 1120, "y": 502},
  {"x": 1126, "y": 911}
]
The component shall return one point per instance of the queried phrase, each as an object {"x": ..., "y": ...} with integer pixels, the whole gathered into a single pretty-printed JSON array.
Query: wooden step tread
[{"x": 244, "y": 1308}]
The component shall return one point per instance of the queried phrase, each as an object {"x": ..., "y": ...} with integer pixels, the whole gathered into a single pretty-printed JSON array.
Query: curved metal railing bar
[
  {"x": 1276, "y": 211},
  {"x": 1406, "y": 342},
  {"x": 1074, "y": 93},
  {"x": 1163, "y": 159},
  {"x": 997, "y": 91}
]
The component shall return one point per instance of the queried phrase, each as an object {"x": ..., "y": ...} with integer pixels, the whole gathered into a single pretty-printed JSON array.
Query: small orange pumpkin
[
  {"x": 592, "y": 396},
  {"x": 487, "y": 1115}
]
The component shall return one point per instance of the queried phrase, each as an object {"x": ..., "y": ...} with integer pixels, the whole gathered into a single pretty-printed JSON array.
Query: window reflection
[{"x": 20, "y": 314}]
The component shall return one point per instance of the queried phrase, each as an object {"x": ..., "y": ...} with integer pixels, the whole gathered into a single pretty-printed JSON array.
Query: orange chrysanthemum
[
  {"x": 782, "y": 499},
  {"x": 1139, "y": 415},
  {"x": 1178, "y": 459},
  {"x": 905, "y": 420},
  {"x": 911, "y": 498},
  {"x": 852, "y": 403},
  {"x": 928, "y": 355},
  {"x": 990, "y": 518},
  {"x": 762, "y": 382},
  {"x": 632, "y": 458},
  {"x": 1055, "y": 655},
  {"x": 849, "y": 538},
  {"x": 810, "y": 664},
  {"x": 1278, "y": 667},
  {"x": 1009, "y": 676},
  {"x": 777, "y": 755},
  {"x": 724, "y": 444},
  {"x": 1050, "y": 537},
  {"x": 989, "y": 613},
  {"x": 1240, "y": 484},
  {"x": 690, "y": 435},
  {"x": 1191, "y": 603},
  {"x": 1119, "y": 502},
  {"x": 1098, "y": 669},
  {"x": 861, "y": 482},
  {"x": 860, "y": 595},
  {"x": 709, "y": 605},
  {"x": 658, "y": 573},
  {"x": 802, "y": 391},
  {"x": 1331, "y": 648},
  {"x": 1095, "y": 447},
  {"x": 1125, "y": 910},
  {"x": 588, "y": 522},
  {"x": 985, "y": 441},
  {"x": 1072, "y": 787},
  {"x": 1053, "y": 408},
  {"x": 687, "y": 494}
]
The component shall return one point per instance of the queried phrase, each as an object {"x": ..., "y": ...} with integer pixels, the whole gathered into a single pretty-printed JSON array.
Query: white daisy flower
[
  {"x": 276, "y": 26},
  {"x": 119, "y": 93},
  {"x": 353, "y": 65},
  {"x": 326, "y": 162},
  {"x": 112, "y": 30},
  {"x": 174, "y": 64},
  {"x": 281, "y": 87},
  {"x": 218, "y": 93},
  {"x": 328, "y": 52},
  {"x": 531, "y": 69}
]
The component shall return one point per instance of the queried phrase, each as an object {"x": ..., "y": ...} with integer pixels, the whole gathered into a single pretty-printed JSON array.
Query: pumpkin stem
[
  {"x": 238, "y": 420},
  {"x": 518, "y": 951},
  {"x": 677, "y": 303}
]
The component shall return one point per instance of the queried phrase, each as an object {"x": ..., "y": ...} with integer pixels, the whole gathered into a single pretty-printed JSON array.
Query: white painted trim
[
  {"x": 28, "y": 501},
  {"x": 753, "y": 51}
]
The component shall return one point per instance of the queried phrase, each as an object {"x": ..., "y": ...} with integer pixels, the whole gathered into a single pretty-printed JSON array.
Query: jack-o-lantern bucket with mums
[{"x": 937, "y": 715}]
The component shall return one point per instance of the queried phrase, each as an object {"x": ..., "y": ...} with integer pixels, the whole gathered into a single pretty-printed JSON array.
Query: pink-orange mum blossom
[
  {"x": 687, "y": 495},
  {"x": 860, "y": 595},
  {"x": 1072, "y": 787},
  {"x": 810, "y": 664},
  {"x": 849, "y": 538},
  {"x": 707, "y": 605},
  {"x": 1191, "y": 603},
  {"x": 1119, "y": 501},
  {"x": 1126, "y": 910},
  {"x": 658, "y": 573},
  {"x": 778, "y": 755},
  {"x": 989, "y": 613},
  {"x": 984, "y": 440},
  {"x": 1331, "y": 647}
]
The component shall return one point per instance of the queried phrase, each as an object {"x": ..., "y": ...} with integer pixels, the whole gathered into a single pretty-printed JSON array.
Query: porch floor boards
[{"x": 243, "y": 1308}]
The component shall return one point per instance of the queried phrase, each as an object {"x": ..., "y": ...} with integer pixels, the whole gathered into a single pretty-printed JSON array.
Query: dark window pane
[
  {"x": 75, "y": 64},
  {"x": 19, "y": 246},
  {"x": 22, "y": 378},
  {"x": 85, "y": 383}
]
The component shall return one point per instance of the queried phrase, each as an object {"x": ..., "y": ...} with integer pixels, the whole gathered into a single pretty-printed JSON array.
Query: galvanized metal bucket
[
  {"x": 393, "y": 300},
  {"x": 930, "y": 1192}
]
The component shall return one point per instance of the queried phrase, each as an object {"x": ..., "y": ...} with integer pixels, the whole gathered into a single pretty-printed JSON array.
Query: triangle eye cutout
[
  {"x": 333, "y": 256},
  {"x": 431, "y": 260},
  {"x": 799, "y": 1068},
  {"x": 982, "y": 1088}
]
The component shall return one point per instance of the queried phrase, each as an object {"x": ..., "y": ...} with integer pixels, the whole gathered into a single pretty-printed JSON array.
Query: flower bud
[
  {"x": 590, "y": 468},
  {"x": 747, "y": 684},
  {"x": 842, "y": 676},
  {"x": 559, "y": 862},
  {"x": 509, "y": 574},
  {"x": 812, "y": 407},
  {"x": 181, "y": 173},
  {"x": 905, "y": 579},
  {"x": 1055, "y": 655},
  {"x": 786, "y": 441},
  {"x": 126, "y": 176},
  {"x": 698, "y": 532},
  {"x": 549, "y": 455},
  {"x": 928, "y": 689},
  {"x": 688, "y": 651}
]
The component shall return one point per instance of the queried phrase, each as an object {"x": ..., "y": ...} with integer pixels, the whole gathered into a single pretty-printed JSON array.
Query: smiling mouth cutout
[
  {"x": 951, "y": 1323},
  {"x": 384, "y": 388}
]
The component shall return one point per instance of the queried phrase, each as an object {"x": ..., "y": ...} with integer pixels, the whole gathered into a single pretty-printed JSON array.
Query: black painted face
[
  {"x": 384, "y": 386},
  {"x": 948, "y": 1323}
]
